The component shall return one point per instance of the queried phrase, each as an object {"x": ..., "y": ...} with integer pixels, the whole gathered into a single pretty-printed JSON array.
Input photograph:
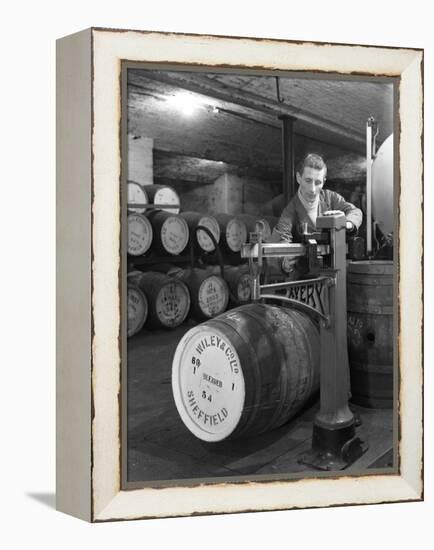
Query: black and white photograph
[
  {"x": 240, "y": 303},
  {"x": 224, "y": 212},
  {"x": 260, "y": 262}
]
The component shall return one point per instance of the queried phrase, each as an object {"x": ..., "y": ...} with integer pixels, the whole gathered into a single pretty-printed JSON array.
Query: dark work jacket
[{"x": 290, "y": 225}]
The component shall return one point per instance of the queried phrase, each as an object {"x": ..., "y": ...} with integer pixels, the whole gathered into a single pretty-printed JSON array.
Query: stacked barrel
[
  {"x": 154, "y": 223},
  {"x": 162, "y": 239},
  {"x": 166, "y": 295},
  {"x": 370, "y": 332},
  {"x": 137, "y": 306},
  {"x": 156, "y": 226}
]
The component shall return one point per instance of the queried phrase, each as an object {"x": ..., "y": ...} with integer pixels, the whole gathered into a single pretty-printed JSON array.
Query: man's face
[{"x": 311, "y": 182}]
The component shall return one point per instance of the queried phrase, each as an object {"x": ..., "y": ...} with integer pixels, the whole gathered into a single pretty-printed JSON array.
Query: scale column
[{"x": 334, "y": 442}]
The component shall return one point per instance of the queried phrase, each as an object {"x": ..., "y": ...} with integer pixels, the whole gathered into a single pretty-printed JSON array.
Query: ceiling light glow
[{"x": 186, "y": 103}]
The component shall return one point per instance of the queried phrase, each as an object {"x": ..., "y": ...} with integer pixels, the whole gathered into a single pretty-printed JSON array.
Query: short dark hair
[{"x": 313, "y": 161}]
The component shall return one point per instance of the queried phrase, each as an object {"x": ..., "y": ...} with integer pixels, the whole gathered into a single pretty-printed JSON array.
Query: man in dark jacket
[
  {"x": 311, "y": 200},
  {"x": 300, "y": 215}
]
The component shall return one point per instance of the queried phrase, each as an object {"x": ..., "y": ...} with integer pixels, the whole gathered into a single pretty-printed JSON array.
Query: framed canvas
[{"x": 133, "y": 439}]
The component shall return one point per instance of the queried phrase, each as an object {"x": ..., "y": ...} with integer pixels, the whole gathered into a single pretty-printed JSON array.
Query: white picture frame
[{"x": 89, "y": 391}]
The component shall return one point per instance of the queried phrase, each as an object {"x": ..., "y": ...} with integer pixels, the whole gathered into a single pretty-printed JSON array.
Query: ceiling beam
[
  {"x": 170, "y": 165},
  {"x": 212, "y": 88}
]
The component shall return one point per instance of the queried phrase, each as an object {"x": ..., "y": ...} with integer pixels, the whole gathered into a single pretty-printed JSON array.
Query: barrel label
[
  {"x": 213, "y": 296},
  {"x": 236, "y": 234},
  {"x": 174, "y": 235},
  {"x": 209, "y": 388},
  {"x": 139, "y": 235},
  {"x": 216, "y": 342},
  {"x": 212, "y": 380},
  {"x": 172, "y": 304},
  {"x": 211, "y": 419},
  {"x": 167, "y": 195}
]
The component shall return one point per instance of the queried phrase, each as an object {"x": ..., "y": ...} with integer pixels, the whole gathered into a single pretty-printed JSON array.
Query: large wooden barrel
[
  {"x": 201, "y": 238},
  {"x": 370, "y": 332},
  {"x": 170, "y": 232},
  {"x": 245, "y": 372},
  {"x": 233, "y": 232},
  {"x": 136, "y": 195},
  {"x": 137, "y": 309},
  {"x": 168, "y": 299},
  {"x": 140, "y": 234},
  {"x": 164, "y": 195},
  {"x": 209, "y": 293}
]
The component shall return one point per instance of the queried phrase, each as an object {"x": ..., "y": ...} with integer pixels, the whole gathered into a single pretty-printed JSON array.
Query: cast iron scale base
[{"x": 333, "y": 449}]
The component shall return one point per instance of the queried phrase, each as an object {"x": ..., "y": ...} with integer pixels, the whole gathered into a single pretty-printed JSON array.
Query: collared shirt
[{"x": 294, "y": 216}]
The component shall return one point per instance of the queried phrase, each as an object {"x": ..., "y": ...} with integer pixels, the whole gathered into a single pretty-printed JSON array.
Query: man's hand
[{"x": 349, "y": 225}]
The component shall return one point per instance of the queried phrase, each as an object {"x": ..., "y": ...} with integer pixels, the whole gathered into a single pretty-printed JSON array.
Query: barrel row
[
  {"x": 161, "y": 196},
  {"x": 170, "y": 233},
  {"x": 165, "y": 298}
]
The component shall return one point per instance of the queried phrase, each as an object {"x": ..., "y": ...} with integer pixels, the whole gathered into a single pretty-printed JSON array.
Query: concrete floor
[{"x": 160, "y": 447}]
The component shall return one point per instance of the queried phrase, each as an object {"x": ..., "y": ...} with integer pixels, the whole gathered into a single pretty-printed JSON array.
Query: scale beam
[{"x": 272, "y": 250}]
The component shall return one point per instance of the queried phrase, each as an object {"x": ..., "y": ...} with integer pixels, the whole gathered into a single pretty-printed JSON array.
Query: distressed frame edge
[
  {"x": 410, "y": 272},
  {"x": 73, "y": 275},
  {"x": 411, "y": 486},
  {"x": 404, "y": 492}
]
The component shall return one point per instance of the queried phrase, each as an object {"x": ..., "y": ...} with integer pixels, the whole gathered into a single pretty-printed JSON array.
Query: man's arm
[
  {"x": 352, "y": 213},
  {"x": 283, "y": 228}
]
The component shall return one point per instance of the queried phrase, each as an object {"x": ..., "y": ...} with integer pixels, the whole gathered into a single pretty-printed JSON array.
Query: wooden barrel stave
[
  {"x": 370, "y": 332},
  {"x": 137, "y": 309},
  {"x": 203, "y": 239},
  {"x": 259, "y": 386},
  {"x": 200, "y": 238}
]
